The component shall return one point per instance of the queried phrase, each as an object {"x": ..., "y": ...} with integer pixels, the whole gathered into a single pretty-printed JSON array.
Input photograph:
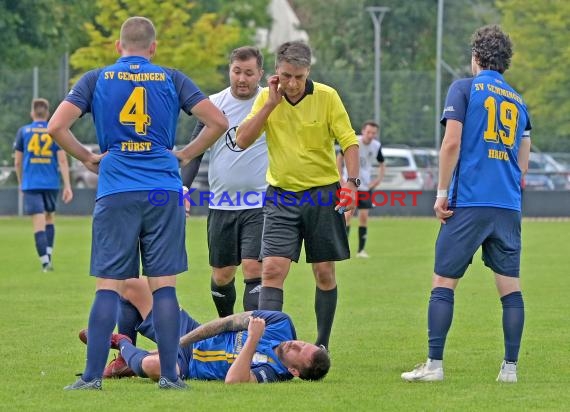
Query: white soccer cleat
[
  {"x": 422, "y": 373},
  {"x": 362, "y": 254},
  {"x": 508, "y": 373}
]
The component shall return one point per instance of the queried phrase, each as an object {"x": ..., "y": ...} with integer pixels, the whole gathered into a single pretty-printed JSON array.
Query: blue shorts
[
  {"x": 187, "y": 324},
  {"x": 40, "y": 201},
  {"x": 497, "y": 230},
  {"x": 128, "y": 230}
]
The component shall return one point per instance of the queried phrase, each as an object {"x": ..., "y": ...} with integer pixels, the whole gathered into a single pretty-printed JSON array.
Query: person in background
[
  {"x": 36, "y": 160},
  {"x": 370, "y": 151}
]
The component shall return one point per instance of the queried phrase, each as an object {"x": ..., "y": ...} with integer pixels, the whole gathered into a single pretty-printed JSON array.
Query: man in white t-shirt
[
  {"x": 237, "y": 184},
  {"x": 370, "y": 150}
]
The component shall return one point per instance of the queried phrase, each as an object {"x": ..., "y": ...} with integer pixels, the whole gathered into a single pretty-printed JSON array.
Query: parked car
[
  {"x": 542, "y": 167},
  {"x": 561, "y": 158},
  {"x": 409, "y": 168},
  {"x": 80, "y": 176}
]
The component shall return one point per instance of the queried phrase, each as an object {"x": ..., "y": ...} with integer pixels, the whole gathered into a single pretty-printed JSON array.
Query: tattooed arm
[{"x": 232, "y": 323}]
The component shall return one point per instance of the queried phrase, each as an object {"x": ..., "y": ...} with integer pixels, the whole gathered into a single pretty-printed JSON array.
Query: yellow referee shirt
[{"x": 301, "y": 137}]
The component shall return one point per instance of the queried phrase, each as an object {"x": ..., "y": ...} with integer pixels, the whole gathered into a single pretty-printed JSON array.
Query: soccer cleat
[
  {"x": 164, "y": 383},
  {"x": 362, "y": 254},
  {"x": 83, "y": 336},
  {"x": 115, "y": 338},
  {"x": 508, "y": 372},
  {"x": 47, "y": 267},
  {"x": 422, "y": 373},
  {"x": 117, "y": 369},
  {"x": 80, "y": 384}
]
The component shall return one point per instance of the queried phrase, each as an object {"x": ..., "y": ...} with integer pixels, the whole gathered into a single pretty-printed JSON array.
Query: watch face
[{"x": 354, "y": 180}]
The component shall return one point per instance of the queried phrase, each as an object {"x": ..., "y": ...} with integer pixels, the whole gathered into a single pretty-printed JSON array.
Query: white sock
[{"x": 434, "y": 364}]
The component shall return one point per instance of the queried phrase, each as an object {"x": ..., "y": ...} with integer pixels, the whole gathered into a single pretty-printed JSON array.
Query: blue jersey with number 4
[
  {"x": 135, "y": 106},
  {"x": 39, "y": 163},
  {"x": 495, "y": 119}
]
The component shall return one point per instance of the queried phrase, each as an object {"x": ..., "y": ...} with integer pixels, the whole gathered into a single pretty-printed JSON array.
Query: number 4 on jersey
[{"x": 134, "y": 111}]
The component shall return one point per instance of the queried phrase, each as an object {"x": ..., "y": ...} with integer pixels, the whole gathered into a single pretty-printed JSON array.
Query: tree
[
  {"x": 540, "y": 66},
  {"x": 32, "y": 31},
  {"x": 342, "y": 35},
  {"x": 197, "y": 47}
]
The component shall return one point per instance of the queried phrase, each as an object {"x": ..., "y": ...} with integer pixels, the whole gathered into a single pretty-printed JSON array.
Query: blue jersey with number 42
[
  {"x": 39, "y": 162},
  {"x": 135, "y": 106},
  {"x": 495, "y": 119}
]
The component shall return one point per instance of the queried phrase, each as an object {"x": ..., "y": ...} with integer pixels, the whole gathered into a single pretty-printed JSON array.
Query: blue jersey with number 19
[
  {"x": 135, "y": 106},
  {"x": 495, "y": 119}
]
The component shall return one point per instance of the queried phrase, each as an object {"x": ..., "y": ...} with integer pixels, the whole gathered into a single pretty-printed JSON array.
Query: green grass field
[{"x": 380, "y": 328}]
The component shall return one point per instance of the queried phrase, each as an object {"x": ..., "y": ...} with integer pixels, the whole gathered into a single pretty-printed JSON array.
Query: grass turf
[{"x": 379, "y": 331}]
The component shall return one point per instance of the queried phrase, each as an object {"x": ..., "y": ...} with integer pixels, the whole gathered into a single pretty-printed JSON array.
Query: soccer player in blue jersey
[
  {"x": 256, "y": 346},
  {"x": 135, "y": 106},
  {"x": 484, "y": 154},
  {"x": 36, "y": 160}
]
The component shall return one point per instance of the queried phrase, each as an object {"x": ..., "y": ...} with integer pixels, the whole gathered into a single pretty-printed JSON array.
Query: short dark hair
[
  {"x": 492, "y": 48},
  {"x": 319, "y": 366},
  {"x": 370, "y": 123},
  {"x": 40, "y": 107},
  {"x": 246, "y": 53},
  {"x": 296, "y": 53}
]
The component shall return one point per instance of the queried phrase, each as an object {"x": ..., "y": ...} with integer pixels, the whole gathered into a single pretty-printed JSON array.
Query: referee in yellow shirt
[{"x": 301, "y": 120}]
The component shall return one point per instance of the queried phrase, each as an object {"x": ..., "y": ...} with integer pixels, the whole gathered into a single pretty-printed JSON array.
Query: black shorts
[
  {"x": 234, "y": 235},
  {"x": 364, "y": 199},
  {"x": 309, "y": 215}
]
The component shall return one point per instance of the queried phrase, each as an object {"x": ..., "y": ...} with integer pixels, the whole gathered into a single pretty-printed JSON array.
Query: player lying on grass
[{"x": 258, "y": 347}]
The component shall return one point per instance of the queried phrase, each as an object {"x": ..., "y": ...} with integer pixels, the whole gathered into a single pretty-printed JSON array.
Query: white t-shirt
[
  {"x": 233, "y": 172},
  {"x": 368, "y": 154}
]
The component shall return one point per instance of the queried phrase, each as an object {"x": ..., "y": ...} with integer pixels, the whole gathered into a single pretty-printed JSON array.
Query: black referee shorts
[{"x": 293, "y": 217}]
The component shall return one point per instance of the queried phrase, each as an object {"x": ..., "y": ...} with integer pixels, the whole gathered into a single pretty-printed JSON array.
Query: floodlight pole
[
  {"x": 377, "y": 14},
  {"x": 438, "y": 51}
]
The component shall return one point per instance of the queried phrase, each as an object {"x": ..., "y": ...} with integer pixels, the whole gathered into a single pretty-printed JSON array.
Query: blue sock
[
  {"x": 41, "y": 246},
  {"x": 134, "y": 357},
  {"x": 102, "y": 321},
  {"x": 50, "y": 235},
  {"x": 129, "y": 319},
  {"x": 167, "y": 326},
  {"x": 513, "y": 322},
  {"x": 440, "y": 315}
]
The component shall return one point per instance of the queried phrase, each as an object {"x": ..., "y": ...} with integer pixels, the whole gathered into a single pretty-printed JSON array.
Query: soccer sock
[
  {"x": 50, "y": 234},
  {"x": 440, "y": 315},
  {"x": 513, "y": 323},
  {"x": 270, "y": 298},
  {"x": 167, "y": 326},
  {"x": 362, "y": 231},
  {"x": 41, "y": 246},
  {"x": 347, "y": 230},
  {"x": 102, "y": 320},
  {"x": 134, "y": 357},
  {"x": 224, "y": 297},
  {"x": 129, "y": 319},
  {"x": 325, "y": 307},
  {"x": 251, "y": 294}
]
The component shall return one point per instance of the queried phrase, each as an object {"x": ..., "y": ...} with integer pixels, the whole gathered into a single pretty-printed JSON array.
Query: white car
[{"x": 409, "y": 169}]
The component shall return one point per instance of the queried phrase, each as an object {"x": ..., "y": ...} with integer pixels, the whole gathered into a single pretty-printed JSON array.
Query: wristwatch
[{"x": 354, "y": 180}]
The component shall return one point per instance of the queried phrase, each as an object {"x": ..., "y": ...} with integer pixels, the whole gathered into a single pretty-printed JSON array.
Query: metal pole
[
  {"x": 377, "y": 14},
  {"x": 35, "y": 93},
  {"x": 438, "y": 51}
]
